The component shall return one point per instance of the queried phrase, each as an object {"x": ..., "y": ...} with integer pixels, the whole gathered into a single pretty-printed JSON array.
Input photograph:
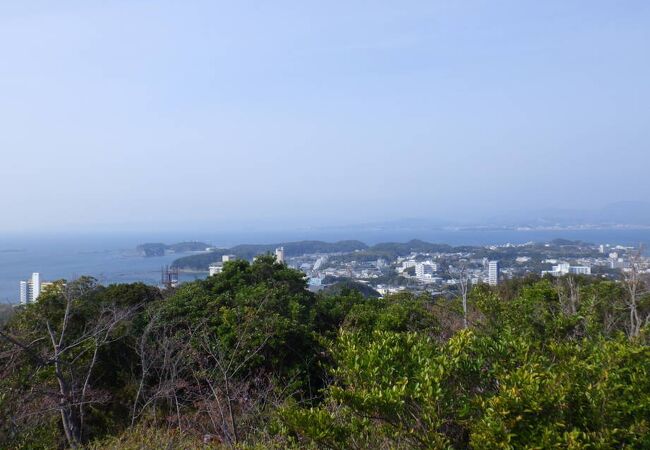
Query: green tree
[{"x": 62, "y": 358}]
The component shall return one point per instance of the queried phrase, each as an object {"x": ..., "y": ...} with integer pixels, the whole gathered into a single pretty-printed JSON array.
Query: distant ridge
[
  {"x": 354, "y": 250},
  {"x": 159, "y": 249},
  {"x": 249, "y": 251}
]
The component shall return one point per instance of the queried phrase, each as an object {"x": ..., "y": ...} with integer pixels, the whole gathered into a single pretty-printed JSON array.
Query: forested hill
[
  {"x": 159, "y": 249},
  {"x": 249, "y": 251},
  {"x": 358, "y": 251},
  {"x": 558, "y": 248}
]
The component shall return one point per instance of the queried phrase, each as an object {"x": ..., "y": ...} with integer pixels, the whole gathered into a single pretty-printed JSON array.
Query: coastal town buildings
[
  {"x": 565, "y": 269},
  {"x": 31, "y": 289}
]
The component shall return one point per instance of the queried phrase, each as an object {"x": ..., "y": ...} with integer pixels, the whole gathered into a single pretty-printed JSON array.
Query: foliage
[
  {"x": 405, "y": 390},
  {"x": 6, "y": 311},
  {"x": 153, "y": 438},
  {"x": 269, "y": 297},
  {"x": 341, "y": 287},
  {"x": 69, "y": 353},
  {"x": 249, "y": 358}
]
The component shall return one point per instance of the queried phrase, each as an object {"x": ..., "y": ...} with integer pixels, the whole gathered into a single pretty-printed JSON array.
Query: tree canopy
[{"x": 251, "y": 358}]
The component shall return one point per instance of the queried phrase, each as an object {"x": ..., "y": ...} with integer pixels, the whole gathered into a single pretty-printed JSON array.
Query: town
[
  {"x": 415, "y": 266},
  {"x": 418, "y": 266}
]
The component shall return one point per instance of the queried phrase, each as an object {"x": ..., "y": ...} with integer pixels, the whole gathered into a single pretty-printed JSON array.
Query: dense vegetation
[
  {"x": 251, "y": 358},
  {"x": 6, "y": 311},
  {"x": 340, "y": 287},
  {"x": 249, "y": 251}
]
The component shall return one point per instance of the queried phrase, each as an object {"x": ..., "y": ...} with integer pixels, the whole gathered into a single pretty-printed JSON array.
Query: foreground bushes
[
  {"x": 251, "y": 359},
  {"x": 404, "y": 390}
]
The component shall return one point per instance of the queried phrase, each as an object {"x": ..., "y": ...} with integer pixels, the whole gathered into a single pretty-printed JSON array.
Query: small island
[{"x": 160, "y": 249}]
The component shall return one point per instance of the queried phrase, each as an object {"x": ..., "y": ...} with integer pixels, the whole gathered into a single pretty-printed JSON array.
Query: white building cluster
[
  {"x": 565, "y": 268},
  {"x": 425, "y": 269},
  {"x": 439, "y": 271},
  {"x": 216, "y": 268},
  {"x": 31, "y": 289}
]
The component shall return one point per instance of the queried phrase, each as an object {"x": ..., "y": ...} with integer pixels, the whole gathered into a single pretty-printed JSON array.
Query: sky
[{"x": 141, "y": 114}]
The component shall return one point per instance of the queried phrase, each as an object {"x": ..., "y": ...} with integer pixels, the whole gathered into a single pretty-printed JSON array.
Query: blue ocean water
[{"x": 111, "y": 258}]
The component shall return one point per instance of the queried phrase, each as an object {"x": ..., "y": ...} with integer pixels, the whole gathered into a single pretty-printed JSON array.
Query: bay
[{"x": 111, "y": 257}]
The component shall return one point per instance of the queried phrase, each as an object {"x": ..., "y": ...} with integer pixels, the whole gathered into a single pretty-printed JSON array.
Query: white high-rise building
[
  {"x": 31, "y": 289},
  {"x": 493, "y": 273},
  {"x": 24, "y": 292},
  {"x": 36, "y": 286},
  {"x": 279, "y": 254}
]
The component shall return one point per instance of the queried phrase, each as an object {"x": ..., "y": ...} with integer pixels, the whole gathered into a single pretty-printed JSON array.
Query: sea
[{"x": 112, "y": 257}]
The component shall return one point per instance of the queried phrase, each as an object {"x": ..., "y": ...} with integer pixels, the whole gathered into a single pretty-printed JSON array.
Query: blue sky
[{"x": 138, "y": 114}]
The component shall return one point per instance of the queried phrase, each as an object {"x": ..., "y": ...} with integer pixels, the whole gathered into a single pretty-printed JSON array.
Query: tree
[
  {"x": 250, "y": 357},
  {"x": 461, "y": 275},
  {"x": 62, "y": 340},
  {"x": 636, "y": 289}
]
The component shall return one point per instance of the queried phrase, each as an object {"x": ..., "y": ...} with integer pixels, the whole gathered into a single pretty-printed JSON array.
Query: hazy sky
[{"x": 167, "y": 113}]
